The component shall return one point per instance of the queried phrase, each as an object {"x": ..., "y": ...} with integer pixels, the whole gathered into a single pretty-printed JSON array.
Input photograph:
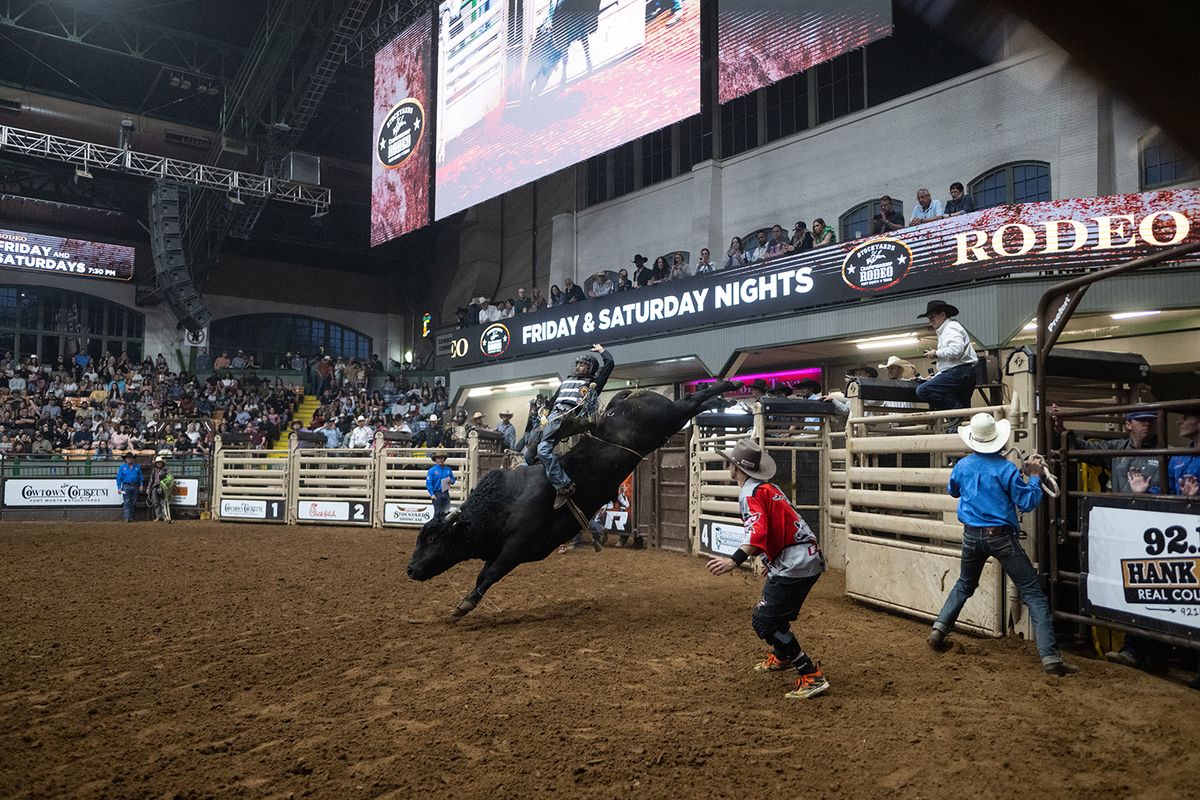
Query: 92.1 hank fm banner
[{"x": 1085, "y": 233}]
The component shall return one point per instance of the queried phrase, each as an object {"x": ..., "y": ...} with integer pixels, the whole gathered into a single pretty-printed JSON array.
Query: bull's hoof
[
  {"x": 599, "y": 540},
  {"x": 465, "y": 607}
]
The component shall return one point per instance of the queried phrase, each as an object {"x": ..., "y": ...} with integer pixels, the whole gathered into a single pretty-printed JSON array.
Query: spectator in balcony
[
  {"x": 204, "y": 361},
  {"x": 661, "y": 272},
  {"x": 491, "y": 311},
  {"x": 778, "y": 244},
  {"x": 888, "y": 219},
  {"x": 643, "y": 275},
  {"x": 822, "y": 234},
  {"x": 239, "y": 361},
  {"x": 556, "y": 297},
  {"x": 958, "y": 203},
  {"x": 508, "y": 309},
  {"x": 705, "y": 265},
  {"x": 623, "y": 283},
  {"x": 801, "y": 239},
  {"x": 574, "y": 293},
  {"x": 679, "y": 267},
  {"x": 375, "y": 364},
  {"x": 539, "y": 302},
  {"x": 523, "y": 304},
  {"x": 222, "y": 362},
  {"x": 927, "y": 210},
  {"x": 762, "y": 249},
  {"x": 954, "y": 382},
  {"x": 735, "y": 256},
  {"x": 471, "y": 318},
  {"x": 601, "y": 285},
  {"x": 506, "y": 429}
]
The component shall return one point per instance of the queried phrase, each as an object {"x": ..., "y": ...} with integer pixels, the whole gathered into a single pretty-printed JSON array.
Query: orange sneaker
[
  {"x": 772, "y": 664},
  {"x": 808, "y": 686}
]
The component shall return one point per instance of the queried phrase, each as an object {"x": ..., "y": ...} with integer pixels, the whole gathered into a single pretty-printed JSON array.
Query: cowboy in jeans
[
  {"x": 954, "y": 382},
  {"x": 988, "y": 486},
  {"x": 129, "y": 484}
]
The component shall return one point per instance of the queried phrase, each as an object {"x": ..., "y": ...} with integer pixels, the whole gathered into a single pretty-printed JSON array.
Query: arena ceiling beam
[
  {"x": 394, "y": 16},
  {"x": 234, "y": 184},
  {"x": 113, "y": 32}
]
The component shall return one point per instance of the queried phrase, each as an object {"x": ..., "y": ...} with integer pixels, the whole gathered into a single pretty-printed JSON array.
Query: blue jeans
[
  {"x": 977, "y": 546},
  {"x": 949, "y": 389},
  {"x": 545, "y": 453},
  {"x": 441, "y": 502},
  {"x": 129, "y": 498}
]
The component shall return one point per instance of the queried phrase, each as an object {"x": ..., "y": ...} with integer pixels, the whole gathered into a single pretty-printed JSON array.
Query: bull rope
[{"x": 1049, "y": 482}]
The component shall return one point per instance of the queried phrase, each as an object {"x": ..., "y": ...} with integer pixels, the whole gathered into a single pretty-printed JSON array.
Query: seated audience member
[
  {"x": 239, "y": 361},
  {"x": 958, "y": 203},
  {"x": 735, "y": 256},
  {"x": 538, "y": 301},
  {"x": 661, "y": 273},
  {"x": 472, "y": 318},
  {"x": 524, "y": 304},
  {"x": 761, "y": 250},
  {"x": 556, "y": 297},
  {"x": 601, "y": 285},
  {"x": 927, "y": 209},
  {"x": 705, "y": 264},
  {"x": 898, "y": 369},
  {"x": 679, "y": 268},
  {"x": 642, "y": 275},
  {"x": 888, "y": 219},
  {"x": 221, "y": 362},
  {"x": 778, "y": 244},
  {"x": 507, "y": 310},
  {"x": 574, "y": 293},
  {"x": 801, "y": 239},
  {"x": 623, "y": 283},
  {"x": 823, "y": 234}
]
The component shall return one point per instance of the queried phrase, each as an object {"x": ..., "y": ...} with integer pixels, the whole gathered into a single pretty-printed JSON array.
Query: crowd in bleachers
[
  {"x": 101, "y": 408},
  {"x": 763, "y": 245}
]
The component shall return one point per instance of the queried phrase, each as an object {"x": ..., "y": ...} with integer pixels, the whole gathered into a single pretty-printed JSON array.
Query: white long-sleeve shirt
[
  {"x": 361, "y": 437},
  {"x": 954, "y": 346}
]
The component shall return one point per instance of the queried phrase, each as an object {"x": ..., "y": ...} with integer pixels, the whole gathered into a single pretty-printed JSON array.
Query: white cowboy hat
[
  {"x": 895, "y": 361},
  {"x": 751, "y": 459},
  {"x": 506, "y": 413},
  {"x": 477, "y": 415},
  {"x": 433, "y": 418},
  {"x": 985, "y": 433}
]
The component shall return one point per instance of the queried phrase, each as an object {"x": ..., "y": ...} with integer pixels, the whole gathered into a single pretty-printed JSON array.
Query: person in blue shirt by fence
[
  {"x": 436, "y": 483},
  {"x": 990, "y": 490},
  {"x": 129, "y": 484}
]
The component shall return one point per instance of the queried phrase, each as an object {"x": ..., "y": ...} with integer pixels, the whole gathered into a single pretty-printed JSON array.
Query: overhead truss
[
  {"x": 124, "y": 35},
  {"x": 236, "y": 185},
  {"x": 393, "y": 17}
]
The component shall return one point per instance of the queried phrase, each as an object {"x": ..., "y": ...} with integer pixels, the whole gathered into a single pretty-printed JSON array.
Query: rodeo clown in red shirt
[{"x": 792, "y": 557}]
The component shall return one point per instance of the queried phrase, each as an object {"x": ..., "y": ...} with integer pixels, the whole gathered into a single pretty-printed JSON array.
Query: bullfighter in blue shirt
[
  {"x": 129, "y": 484},
  {"x": 990, "y": 489}
]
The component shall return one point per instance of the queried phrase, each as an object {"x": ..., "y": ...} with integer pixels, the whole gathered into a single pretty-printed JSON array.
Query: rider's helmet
[{"x": 590, "y": 361}]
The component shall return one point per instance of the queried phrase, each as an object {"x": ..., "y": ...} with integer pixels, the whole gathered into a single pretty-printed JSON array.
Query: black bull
[{"x": 509, "y": 518}]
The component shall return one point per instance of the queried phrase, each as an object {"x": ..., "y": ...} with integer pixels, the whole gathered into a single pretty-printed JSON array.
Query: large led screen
[
  {"x": 400, "y": 168},
  {"x": 527, "y": 87},
  {"x": 65, "y": 256},
  {"x": 764, "y": 41}
]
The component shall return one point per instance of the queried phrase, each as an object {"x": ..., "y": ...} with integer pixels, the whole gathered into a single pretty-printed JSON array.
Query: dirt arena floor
[{"x": 253, "y": 661}]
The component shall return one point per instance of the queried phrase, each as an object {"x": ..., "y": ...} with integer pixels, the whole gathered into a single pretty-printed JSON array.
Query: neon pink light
[{"x": 789, "y": 376}]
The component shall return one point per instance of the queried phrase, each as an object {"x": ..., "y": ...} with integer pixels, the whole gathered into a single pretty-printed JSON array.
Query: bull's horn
[{"x": 451, "y": 516}]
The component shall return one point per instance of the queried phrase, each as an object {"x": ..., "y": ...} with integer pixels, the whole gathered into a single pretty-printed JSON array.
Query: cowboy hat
[
  {"x": 939, "y": 305},
  {"x": 506, "y": 413},
  {"x": 433, "y": 418},
  {"x": 867, "y": 368},
  {"x": 759, "y": 384},
  {"x": 639, "y": 259},
  {"x": 985, "y": 433},
  {"x": 159, "y": 460},
  {"x": 477, "y": 415},
  {"x": 436, "y": 454},
  {"x": 896, "y": 361},
  {"x": 481, "y": 301},
  {"x": 751, "y": 459}
]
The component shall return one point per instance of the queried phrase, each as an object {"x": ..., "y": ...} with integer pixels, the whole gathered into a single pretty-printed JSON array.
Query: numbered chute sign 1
[{"x": 265, "y": 510}]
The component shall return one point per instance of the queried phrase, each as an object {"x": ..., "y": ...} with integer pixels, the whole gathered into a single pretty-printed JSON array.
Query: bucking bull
[{"x": 509, "y": 518}]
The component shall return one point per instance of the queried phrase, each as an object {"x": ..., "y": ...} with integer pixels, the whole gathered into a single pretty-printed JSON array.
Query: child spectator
[{"x": 438, "y": 481}]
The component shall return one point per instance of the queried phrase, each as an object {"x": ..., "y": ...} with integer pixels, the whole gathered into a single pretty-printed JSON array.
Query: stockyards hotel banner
[
  {"x": 1142, "y": 563},
  {"x": 34, "y": 252},
  {"x": 1085, "y": 233},
  {"x": 400, "y": 167}
]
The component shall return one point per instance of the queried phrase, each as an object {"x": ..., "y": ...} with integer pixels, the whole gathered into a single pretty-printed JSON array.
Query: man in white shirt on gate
[
  {"x": 954, "y": 382},
  {"x": 361, "y": 435}
]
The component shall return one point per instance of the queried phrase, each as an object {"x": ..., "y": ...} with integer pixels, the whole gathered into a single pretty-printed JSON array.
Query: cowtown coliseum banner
[
  {"x": 1142, "y": 563},
  {"x": 400, "y": 169},
  {"x": 1083, "y": 233},
  {"x": 82, "y": 492},
  {"x": 62, "y": 256}
]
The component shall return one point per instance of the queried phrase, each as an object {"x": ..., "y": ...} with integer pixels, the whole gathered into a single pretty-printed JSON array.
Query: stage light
[
  {"x": 186, "y": 84},
  {"x": 282, "y": 127},
  {"x": 886, "y": 344},
  {"x": 202, "y": 87},
  {"x": 82, "y": 172},
  {"x": 1135, "y": 314},
  {"x": 125, "y": 134},
  {"x": 175, "y": 81},
  {"x": 235, "y": 197},
  {"x": 213, "y": 91}
]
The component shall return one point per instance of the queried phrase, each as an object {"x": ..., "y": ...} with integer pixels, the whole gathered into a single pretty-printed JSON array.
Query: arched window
[
  {"x": 270, "y": 336},
  {"x": 1019, "y": 182},
  {"x": 1162, "y": 163},
  {"x": 48, "y": 323},
  {"x": 856, "y": 223}
]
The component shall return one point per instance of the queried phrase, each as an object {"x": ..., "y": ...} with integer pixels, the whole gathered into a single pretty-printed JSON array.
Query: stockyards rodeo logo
[
  {"x": 495, "y": 340},
  {"x": 401, "y": 133},
  {"x": 877, "y": 265}
]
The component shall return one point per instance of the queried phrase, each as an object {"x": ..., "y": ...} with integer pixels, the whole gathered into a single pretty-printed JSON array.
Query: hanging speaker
[{"x": 171, "y": 270}]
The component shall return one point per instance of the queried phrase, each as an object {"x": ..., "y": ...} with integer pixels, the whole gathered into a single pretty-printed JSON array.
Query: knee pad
[{"x": 765, "y": 627}]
